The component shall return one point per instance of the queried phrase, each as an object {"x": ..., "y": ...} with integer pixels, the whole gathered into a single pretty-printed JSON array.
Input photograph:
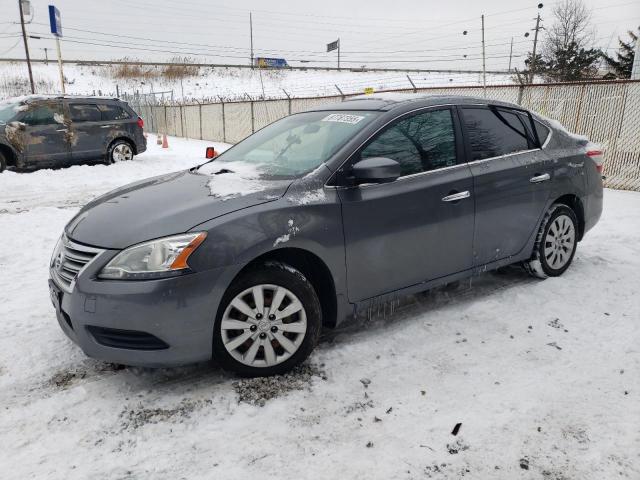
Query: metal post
[
  {"x": 224, "y": 126},
  {"x": 200, "y": 118},
  {"x": 60, "y": 65},
  {"x": 251, "y": 36},
  {"x": 182, "y": 123},
  {"x": 338, "y": 53},
  {"x": 166, "y": 124},
  {"x": 412, "y": 84},
  {"x": 510, "y": 54},
  {"x": 117, "y": 91},
  {"x": 288, "y": 98},
  {"x": 26, "y": 47},
  {"x": 484, "y": 68},
  {"x": 535, "y": 43},
  {"x": 46, "y": 56},
  {"x": 253, "y": 119}
]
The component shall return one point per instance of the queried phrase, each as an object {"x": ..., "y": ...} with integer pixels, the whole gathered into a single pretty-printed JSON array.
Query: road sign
[
  {"x": 55, "y": 21},
  {"x": 333, "y": 46}
]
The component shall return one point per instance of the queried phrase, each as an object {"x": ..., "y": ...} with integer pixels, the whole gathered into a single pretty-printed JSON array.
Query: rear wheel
[
  {"x": 269, "y": 321},
  {"x": 556, "y": 243},
  {"x": 119, "y": 151}
]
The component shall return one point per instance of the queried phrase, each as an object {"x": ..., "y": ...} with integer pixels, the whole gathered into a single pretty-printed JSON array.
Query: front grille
[
  {"x": 69, "y": 259},
  {"x": 129, "y": 339}
]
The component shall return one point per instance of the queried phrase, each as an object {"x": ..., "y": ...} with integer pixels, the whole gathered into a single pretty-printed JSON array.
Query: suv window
[
  {"x": 84, "y": 112},
  {"x": 422, "y": 142},
  {"x": 113, "y": 112},
  {"x": 43, "y": 115},
  {"x": 493, "y": 132}
]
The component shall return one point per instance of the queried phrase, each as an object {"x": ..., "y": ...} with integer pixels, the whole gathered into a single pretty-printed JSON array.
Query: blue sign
[
  {"x": 264, "y": 62},
  {"x": 55, "y": 21}
]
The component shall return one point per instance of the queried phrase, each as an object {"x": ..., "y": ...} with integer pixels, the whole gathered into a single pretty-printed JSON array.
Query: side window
[
  {"x": 113, "y": 112},
  {"x": 494, "y": 132},
  {"x": 542, "y": 130},
  {"x": 43, "y": 115},
  {"x": 84, "y": 112},
  {"x": 419, "y": 143}
]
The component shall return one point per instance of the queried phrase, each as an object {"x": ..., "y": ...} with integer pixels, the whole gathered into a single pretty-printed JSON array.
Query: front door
[
  {"x": 89, "y": 132},
  {"x": 45, "y": 136},
  {"x": 419, "y": 227},
  {"x": 512, "y": 180}
]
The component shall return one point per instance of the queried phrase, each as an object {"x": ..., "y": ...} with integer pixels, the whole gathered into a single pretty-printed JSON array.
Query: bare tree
[{"x": 571, "y": 27}]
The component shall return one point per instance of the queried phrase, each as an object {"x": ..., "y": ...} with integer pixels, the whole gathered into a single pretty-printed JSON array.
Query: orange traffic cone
[
  {"x": 165, "y": 143},
  {"x": 159, "y": 140}
]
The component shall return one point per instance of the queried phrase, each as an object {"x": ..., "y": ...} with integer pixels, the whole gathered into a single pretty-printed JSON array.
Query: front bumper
[{"x": 179, "y": 312}]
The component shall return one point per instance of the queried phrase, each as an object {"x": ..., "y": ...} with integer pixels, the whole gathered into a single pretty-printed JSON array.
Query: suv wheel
[
  {"x": 119, "y": 151},
  {"x": 268, "y": 322},
  {"x": 555, "y": 244}
]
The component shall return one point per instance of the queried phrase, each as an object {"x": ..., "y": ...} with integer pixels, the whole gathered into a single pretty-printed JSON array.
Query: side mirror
[{"x": 375, "y": 170}]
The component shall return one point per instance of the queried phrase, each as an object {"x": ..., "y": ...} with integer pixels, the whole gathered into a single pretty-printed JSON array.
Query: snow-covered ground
[
  {"x": 544, "y": 376},
  {"x": 230, "y": 83}
]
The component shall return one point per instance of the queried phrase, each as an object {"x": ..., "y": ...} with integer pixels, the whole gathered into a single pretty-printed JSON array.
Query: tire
[
  {"x": 118, "y": 151},
  {"x": 263, "y": 352},
  {"x": 3, "y": 162},
  {"x": 556, "y": 243}
]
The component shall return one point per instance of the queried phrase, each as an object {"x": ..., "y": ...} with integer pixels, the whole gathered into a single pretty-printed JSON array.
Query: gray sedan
[{"x": 311, "y": 219}]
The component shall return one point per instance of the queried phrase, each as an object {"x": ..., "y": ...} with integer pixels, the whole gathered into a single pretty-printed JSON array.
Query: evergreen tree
[{"x": 623, "y": 64}]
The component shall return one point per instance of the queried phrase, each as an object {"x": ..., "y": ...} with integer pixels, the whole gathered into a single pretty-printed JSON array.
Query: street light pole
[
  {"x": 26, "y": 47},
  {"x": 484, "y": 68}
]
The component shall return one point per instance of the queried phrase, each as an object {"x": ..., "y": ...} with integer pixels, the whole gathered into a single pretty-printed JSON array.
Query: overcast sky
[{"x": 383, "y": 33}]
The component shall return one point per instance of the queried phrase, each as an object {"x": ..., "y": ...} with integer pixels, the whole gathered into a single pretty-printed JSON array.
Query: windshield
[
  {"x": 8, "y": 111},
  {"x": 293, "y": 145}
]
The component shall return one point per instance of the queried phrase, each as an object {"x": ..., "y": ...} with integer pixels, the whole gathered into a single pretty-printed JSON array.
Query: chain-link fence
[{"x": 606, "y": 112}]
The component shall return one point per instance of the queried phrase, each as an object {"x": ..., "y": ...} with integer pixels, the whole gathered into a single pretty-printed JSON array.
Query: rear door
[
  {"x": 45, "y": 135},
  {"x": 411, "y": 230},
  {"x": 512, "y": 180},
  {"x": 89, "y": 131}
]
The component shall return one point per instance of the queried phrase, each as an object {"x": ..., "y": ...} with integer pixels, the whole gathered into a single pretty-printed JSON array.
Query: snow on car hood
[{"x": 167, "y": 205}]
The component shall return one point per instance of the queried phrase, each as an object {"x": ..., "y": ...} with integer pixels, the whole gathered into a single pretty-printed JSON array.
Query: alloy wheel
[
  {"x": 122, "y": 152},
  {"x": 559, "y": 242},
  {"x": 264, "y": 325}
]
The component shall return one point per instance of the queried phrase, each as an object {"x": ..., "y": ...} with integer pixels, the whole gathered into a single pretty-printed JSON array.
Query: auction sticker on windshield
[{"x": 342, "y": 118}]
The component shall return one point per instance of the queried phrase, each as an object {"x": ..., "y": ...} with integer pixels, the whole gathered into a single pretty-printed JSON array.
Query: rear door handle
[
  {"x": 540, "y": 178},
  {"x": 107, "y": 126},
  {"x": 62, "y": 130},
  {"x": 454, "y": 197}
]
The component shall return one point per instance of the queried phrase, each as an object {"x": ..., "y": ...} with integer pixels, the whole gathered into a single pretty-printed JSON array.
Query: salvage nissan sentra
[{"x": 246, "y": 257}]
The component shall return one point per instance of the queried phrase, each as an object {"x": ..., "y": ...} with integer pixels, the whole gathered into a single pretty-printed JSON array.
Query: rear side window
[
  {"x": 542, "y": 130},
  {"x": 85, "y": 112},
  {"x": 422, "y": 142},
  {"x": 113, "y": 112},
  {"x": 494, "y": 132}
]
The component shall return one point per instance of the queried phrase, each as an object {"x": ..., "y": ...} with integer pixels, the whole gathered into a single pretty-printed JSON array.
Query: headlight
[{"x": 159, "y": 258}]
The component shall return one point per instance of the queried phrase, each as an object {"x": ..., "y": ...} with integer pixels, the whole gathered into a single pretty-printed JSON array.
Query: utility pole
[
  {"x": 251, "y": 35},
  {"x": 484, "y": 67},
  {"x": 535, "y": 43},
  {"x": 510, "y": 54},
  {"x": 26, "y": 47}
]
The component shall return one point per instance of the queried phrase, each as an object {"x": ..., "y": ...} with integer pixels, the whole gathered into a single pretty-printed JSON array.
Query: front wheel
[
  {"x": 119, "y": 151},
  {"x": 555, "y": 244},
  {"x": 269, "y": 321}
]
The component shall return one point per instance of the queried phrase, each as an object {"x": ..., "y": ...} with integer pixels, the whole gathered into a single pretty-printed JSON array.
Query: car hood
[{"x": 167, "y": 205}]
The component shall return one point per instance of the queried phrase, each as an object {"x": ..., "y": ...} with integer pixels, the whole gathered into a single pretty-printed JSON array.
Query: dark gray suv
[
  {"x": 54, "y": 131},
  {"x": 312, "y": 219}
]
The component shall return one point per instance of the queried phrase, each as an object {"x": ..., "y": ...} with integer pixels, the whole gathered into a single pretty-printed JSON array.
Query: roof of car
[
  {"x": 390, "y": 100},
  {"x": 37, "y": 97}
]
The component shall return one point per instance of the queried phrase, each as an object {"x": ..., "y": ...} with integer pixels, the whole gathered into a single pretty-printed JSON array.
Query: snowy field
[
  {"x": 544, "y": 376},
  {"x": 230, "y": 83}
]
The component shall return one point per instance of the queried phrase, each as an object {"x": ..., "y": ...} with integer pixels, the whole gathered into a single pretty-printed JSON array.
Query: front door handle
[
  {"x": 62, "y": 130},
  {"x": 454, "y": 197},
  {"x": 540, "y": 178},
  {"x": 107, "y": 126}
]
